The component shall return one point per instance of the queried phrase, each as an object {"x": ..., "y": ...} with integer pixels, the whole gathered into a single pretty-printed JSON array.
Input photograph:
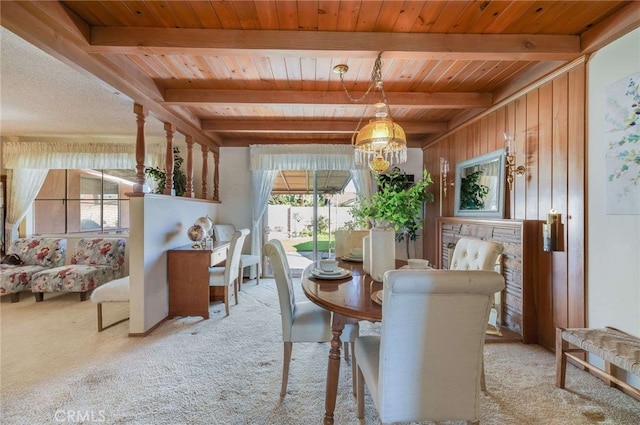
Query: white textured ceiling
[{"x": 41, "y": 97}]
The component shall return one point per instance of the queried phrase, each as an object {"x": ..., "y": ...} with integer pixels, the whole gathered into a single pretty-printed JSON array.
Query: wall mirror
[{"x": 480, "y": 186}]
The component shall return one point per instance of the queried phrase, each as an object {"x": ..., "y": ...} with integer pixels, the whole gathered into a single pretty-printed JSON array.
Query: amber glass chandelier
[{"x": 382, "y": 142}]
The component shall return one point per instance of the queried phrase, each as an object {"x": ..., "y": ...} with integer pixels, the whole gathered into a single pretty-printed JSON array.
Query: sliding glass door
[{"x": 305, "y": 209}]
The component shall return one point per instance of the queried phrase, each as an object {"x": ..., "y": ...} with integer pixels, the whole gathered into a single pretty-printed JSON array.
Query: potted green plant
[
  {"x": 160, "y": 176},
  {"x": 398, "y": 203},
  {"x": 364, "y": 212}
]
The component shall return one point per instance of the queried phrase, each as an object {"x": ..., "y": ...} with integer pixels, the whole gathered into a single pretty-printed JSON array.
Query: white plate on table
[
  {"x": 339, "y": 273},
  {"x": 376, "y": 296},
  {"x": 352, "y": 259}
]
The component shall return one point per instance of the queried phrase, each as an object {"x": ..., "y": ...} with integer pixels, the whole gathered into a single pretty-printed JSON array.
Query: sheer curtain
[
  {"x": 30, "y": 161},
  {"x": 267, "y": 160},
  {"x": 24, "y": 184},
  {"x": 363, "y": 182},
  {"x": 262, "y": 182}
]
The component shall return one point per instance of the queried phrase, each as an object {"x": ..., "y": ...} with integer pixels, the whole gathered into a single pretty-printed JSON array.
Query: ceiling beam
[
  {"x": 623, "y": 22},
  {"x": 525, "y": 79},
  {"x": 524, "y": 47},
  {"x": 302, "y": 127},
  {"x": 185, "y": 97},
  {"x": 413, "y": 142}
]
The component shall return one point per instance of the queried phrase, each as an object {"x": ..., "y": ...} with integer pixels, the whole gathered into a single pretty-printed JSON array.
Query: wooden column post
[
  {"x": 169, "y": 129},
  {"x": 205, "y": 170},
  {"x": 188, "y": 193},
  {"x": 216, "y": 175},
  {"x": 141, "y": 113}
]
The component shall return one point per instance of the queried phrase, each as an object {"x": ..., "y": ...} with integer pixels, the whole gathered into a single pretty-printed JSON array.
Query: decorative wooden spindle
[
  {"x": 188, "y": 193},
  {"x": 205, "y": 170},
  {"x": 170, "y": 130},
  {"x": 141, "y": 113},
  {"x": 216, "y": 175}
]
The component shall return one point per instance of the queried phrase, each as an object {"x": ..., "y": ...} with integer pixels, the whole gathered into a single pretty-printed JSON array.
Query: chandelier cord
[
  {"x": 355, "y": 133},
  {"x": 376, "y": 82}
]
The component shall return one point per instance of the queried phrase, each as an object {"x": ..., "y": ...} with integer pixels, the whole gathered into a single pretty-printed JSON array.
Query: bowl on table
[{"x": 328, "y": 266}]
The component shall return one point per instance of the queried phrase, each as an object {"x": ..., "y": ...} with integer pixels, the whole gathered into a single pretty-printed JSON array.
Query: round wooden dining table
[{"x": 350, "y": 301}]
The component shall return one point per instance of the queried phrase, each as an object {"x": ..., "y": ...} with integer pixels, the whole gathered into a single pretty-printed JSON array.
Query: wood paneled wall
[{"x": 548, "y": 122}]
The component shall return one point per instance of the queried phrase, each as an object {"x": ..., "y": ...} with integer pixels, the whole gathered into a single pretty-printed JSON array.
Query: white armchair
[
  {"x": 229, "y": 275},
  {"x": 223, "y": 232},
  {"x": 426, "y": 363},
  {"x": 302, "y": 321}
]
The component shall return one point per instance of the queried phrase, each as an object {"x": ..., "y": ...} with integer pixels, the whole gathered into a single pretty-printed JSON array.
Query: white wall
[
  {"x": 158, "y": 223},
  {"x": 613, "y": 241},
  {"x": 235, "y": 190},
  {"x": 235, "y": 187}
]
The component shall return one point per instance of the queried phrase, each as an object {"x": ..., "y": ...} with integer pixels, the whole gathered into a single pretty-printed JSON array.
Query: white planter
[
  {"x": 366, "y": 254},
  {"x": 383, "y": 252}
]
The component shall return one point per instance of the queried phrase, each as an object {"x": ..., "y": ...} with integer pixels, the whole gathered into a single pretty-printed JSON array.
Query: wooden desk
[
  {"x": 188, "y": 272},
  {"x": 350, "y": 300}
]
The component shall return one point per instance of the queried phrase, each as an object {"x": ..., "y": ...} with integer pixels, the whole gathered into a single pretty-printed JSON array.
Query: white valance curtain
[
  {"x": 302, "y": 157},
  {"x": 267, "y": 160},
  {"x": 78, "y": 154},
  {"x": 29, "y": 162}
]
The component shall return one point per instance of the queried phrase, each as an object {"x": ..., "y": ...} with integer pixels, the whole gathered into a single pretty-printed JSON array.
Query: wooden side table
[{"x": 188, "y": 271}]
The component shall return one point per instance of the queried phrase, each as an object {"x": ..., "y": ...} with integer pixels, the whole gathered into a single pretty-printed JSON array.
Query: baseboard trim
[{"x": 148, "y": 331}]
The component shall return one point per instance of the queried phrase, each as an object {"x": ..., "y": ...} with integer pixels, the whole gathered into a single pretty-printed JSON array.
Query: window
[{"x": 75, "y": 201}]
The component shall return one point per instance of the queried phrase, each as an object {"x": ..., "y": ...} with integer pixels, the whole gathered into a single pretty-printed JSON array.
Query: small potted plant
[
  {"x": 160, "y": 176},
  {"x": 364, "y": 213}
]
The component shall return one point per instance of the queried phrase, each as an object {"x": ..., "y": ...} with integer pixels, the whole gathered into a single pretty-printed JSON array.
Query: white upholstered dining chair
[
  {"x": 426, "y": 363},
  {"x": 478, "y": 254},
  {"x": 223, "y": 232},
  {"x": 228, "y": 275},
  {"x": 302, "y": 321},
  {"x": 475, "y": 254}
]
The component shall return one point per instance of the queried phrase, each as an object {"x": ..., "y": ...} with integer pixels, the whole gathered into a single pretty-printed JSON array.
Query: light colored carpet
[{"x": 228, "y": 371}]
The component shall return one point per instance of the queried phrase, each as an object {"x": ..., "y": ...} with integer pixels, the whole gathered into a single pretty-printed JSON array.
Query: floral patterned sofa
[
  {"x": 38, "y": 254},
  {"x": 95, "y": 261}
]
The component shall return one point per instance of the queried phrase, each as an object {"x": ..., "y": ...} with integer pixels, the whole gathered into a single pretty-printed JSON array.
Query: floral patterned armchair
[
  {"x": 95, "y": 261},
  {"x": 37, "y": 254}
]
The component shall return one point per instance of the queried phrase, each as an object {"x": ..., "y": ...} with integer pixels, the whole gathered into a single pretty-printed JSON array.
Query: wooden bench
[{"x": 618, "y": 350}]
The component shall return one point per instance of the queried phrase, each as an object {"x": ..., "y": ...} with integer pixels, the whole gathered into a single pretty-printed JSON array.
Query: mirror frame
[{"x": 475, "y": 163}]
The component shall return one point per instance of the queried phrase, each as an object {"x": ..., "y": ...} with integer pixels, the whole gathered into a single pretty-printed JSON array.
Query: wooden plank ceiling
[{"x": 234, "y": 73}]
